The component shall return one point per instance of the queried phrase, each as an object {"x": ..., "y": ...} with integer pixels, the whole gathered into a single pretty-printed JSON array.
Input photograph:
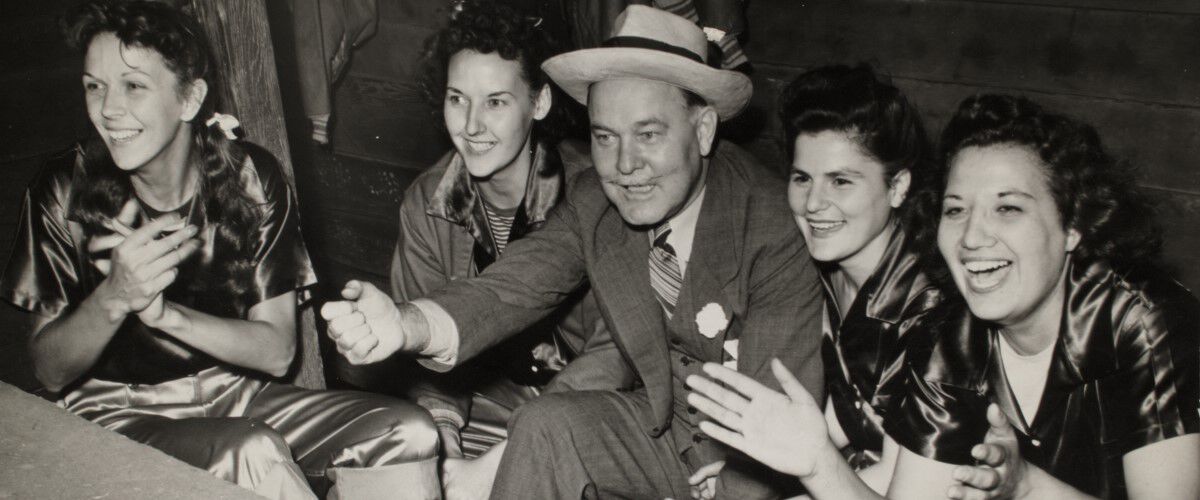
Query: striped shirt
[{"x": 500, "y": 223}]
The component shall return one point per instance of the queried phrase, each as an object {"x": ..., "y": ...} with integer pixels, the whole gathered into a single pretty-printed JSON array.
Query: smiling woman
[
  {"x": 1088, "y": 350},
  {"x": 860, "y": 191},
  {"x": 506, "y": 172},
  {"x": 138, "y": 106}
]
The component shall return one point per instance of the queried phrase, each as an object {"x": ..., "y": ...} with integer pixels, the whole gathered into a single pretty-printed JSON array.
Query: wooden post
[{"x": 241, "y": 42}]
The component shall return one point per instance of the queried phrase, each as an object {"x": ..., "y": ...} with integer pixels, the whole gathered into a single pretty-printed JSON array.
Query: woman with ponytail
[{"x": 161, "y": 261}]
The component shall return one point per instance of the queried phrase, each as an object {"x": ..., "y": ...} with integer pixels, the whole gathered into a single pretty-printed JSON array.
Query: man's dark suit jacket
[{"x": 748, "y": 256}]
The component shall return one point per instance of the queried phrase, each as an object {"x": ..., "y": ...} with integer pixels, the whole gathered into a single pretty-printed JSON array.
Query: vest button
[
  {"x": 685, "y": 360},
  {"x": 691, "y": 410},
  {"x": 697, "y": 438},
  {"x": 676, "y": 342}
]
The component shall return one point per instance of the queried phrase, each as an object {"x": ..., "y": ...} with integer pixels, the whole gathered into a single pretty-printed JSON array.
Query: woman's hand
[
  {"x": 785, "y": 432},
  {"x": 1001, "y": 469},
  {"x": 704, "y": 481},
  {"x": 142, "y": 265}
]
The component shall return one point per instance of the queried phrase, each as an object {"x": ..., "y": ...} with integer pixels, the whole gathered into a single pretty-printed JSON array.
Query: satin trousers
[{"x": 275, "y": 439}]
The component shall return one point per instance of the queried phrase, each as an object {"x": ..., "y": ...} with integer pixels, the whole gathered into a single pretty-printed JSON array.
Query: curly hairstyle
[
  {"x": 880, "y": 119},
  {"x": 185, "y": 51},
  {"x": 1095, "y": 194},
  {"x": 488, "y": 26}
]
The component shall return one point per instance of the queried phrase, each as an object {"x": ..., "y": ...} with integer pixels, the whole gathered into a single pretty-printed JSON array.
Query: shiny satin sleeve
[
  {"x": 42, "y": 274},
  {"x": 1155, "y": 393},
  {"x": 941, "y": 413},
  {"x": 939, "y": 421},
  {"x": 281, "y": 262}
]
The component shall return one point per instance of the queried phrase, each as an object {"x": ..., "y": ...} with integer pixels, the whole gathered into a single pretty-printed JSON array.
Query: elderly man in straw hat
[{"x": 691, "y": 251}]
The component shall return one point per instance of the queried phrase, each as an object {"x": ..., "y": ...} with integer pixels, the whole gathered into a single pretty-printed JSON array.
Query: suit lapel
[
  {"x": 622, "y": 282},
  {"x": 716, "y": 254}
]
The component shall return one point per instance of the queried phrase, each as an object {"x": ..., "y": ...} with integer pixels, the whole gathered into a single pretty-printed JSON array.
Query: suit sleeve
[
  {"x": 783, "y": 320},
  {"x": 538, "y": 272}
]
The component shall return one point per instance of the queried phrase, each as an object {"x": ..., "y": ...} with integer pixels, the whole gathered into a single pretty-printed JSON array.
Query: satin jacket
[
  {"x": 865, "y": 354},
  {"x": 51, "y": 270},
  {"x": 1125, "y": 373},
  {"x": 444, "y": 236}
]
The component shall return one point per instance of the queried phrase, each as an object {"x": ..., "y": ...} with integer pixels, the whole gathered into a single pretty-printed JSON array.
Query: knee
[
  {"x": 254, "y": 441},
  {"x": 544, "y": 414},
  {"x": 407, "y": 426}
]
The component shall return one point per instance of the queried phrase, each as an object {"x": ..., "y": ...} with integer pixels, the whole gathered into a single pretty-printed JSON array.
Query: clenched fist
[{"x": 368, "y": 327}]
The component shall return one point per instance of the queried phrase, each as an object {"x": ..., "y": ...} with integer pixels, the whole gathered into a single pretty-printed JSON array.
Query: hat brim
[{"x": 727, "y": 91}]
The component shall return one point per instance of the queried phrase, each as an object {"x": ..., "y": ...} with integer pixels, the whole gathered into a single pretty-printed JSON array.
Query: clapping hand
[
  {"x": 142, "y": 264},
  {"x": 704, "y": 481},
  {"x": 1000, "y": 469},
  {"x": 783, "y": 431},
  {"x": 367, "y": 325}
]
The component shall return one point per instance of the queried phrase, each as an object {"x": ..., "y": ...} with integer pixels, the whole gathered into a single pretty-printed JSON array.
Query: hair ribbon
[{"x": 228, "y": 124}]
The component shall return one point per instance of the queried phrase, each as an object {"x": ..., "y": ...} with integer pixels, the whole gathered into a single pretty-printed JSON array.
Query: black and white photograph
[{"x": 600, "y": 249}]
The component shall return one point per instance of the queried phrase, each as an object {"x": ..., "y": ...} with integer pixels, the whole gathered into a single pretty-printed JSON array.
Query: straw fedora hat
[{"x": 652, "y": 44}]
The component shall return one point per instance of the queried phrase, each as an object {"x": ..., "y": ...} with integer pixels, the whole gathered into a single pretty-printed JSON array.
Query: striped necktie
[{"x": 665, "y": 277}]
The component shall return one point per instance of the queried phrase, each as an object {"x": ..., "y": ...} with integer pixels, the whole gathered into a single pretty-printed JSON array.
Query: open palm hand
[{"x": 782, "y": 430}]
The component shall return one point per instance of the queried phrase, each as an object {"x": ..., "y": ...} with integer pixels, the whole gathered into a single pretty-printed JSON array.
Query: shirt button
[{"x": 1037, "y": 442}]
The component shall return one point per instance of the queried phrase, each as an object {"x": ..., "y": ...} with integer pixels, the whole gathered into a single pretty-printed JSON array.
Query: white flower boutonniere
[{"x": 711, "y": 320}]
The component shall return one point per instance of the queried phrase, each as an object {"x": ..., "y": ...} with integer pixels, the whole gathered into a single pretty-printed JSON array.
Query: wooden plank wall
[{"x": 1128, "y": 67}]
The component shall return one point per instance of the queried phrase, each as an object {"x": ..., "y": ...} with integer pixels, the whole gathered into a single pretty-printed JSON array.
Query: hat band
[{"x": 637, "y": 42}]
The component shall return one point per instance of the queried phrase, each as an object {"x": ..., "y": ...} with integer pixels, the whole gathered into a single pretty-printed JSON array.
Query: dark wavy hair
[
  {"x": 488, "y": 26},
  {"x": 221, "y": 197},
  {"x": 875, "y": 114},
  {"x": 1096, "y": 194}
]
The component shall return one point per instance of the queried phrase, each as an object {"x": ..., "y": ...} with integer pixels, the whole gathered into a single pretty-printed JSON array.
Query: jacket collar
[
  {"x": 455, "y": 197},
  {"x": 894, "y": 283},
  {"x": 1085, "y": 350}
]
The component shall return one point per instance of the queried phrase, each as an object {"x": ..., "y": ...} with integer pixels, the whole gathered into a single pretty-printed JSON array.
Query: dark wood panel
[
  {"x": 44, "y": 112},
  {"x": 387, "y": 121},
  {"x": 417, "y": 12},
  {"x": 1100, "y": 53},
  {"x": 358, "y": 186},
  {"x": 1178, "y": 213},
  {"x": 1159, "y": 6},
  {"x": 393, "y": 53}
]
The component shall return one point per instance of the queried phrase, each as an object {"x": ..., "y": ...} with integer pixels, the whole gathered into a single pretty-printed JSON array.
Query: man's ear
[
  {"x": 193, "y": 98},
  {"x": 899, "y": 188},
  {"x": 706, "y": 128},
  {"x": 542, "y": 102}
]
